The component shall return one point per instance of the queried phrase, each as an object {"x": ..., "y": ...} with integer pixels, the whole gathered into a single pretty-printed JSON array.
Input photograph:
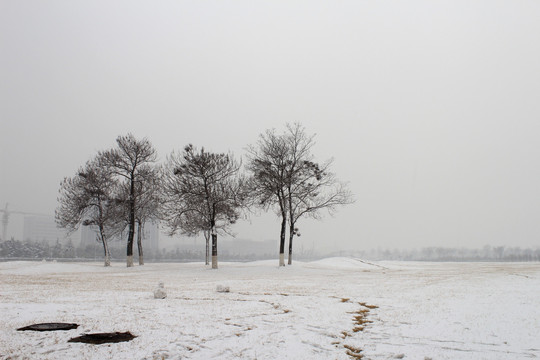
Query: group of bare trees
[
  {"x": 197, "y": 191},
  {"x": 117, "y": 189}
]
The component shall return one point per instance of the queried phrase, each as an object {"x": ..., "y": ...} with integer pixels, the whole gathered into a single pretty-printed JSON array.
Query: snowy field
[{"x": 338, "y": 308}]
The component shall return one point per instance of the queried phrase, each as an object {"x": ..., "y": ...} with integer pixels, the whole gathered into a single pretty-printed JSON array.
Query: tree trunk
[
  {"x": 214, "y": 250},
  {"x": 130, "y": 246},
  {"x": 291, "y": 222},
  {"x": 139, "y": 243},
  {"x": 291, "y": 236},
  {"x": 131, "y": 233},
  {"x": 107, "y": 252},
  {"x": 282, "y": 239},
  {"x": 105, "y": 246},
  {"x": 107, "y": 260},
  {"x": 102, "y": 236},
  {"x": 207, "y": 238}
]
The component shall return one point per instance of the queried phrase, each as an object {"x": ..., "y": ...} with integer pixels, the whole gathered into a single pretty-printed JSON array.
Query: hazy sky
[{"x": 431, "y": 109}]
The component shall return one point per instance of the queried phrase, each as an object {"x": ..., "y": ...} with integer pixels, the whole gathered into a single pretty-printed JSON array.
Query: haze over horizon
[{"x": 430, "y": 109}]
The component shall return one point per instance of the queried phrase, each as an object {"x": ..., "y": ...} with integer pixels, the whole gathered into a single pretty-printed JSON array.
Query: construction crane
[{"x": 5, "y": 219}]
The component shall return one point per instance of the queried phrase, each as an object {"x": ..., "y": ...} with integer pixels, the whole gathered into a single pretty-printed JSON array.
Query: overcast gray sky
[{"x": 431, "y": 109}]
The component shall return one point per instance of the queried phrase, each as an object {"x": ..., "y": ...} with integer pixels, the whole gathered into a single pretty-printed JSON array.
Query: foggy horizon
[{"x": 429, "y": 110}]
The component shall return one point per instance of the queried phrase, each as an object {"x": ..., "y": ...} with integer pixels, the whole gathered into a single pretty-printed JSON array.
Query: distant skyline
[{"x": 430, "y": 109}]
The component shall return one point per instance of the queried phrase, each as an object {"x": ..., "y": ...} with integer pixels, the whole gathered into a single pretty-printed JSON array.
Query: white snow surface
[{"x": 303, "y": 311}]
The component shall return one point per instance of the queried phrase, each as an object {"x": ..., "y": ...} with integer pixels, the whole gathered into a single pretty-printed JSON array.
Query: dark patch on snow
[
  {"x": 49, "y": 327},
  {"x": 104, "y": 338}
]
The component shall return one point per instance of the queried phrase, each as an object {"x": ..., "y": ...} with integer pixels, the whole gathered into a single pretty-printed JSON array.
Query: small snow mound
[
  {"x": 160, "y": 293},
  {"x": 223, "y": 289}
]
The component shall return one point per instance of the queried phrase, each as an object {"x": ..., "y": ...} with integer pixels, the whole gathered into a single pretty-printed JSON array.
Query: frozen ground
[{"x": 312, "y": 310}]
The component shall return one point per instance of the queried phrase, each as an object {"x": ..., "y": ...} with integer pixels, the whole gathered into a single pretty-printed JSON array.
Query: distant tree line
[
  {"x": 28, "y": 250},
  {"x": 486, "y": 253},
  {"x": 197, "y": 191},
  {"x": 42, "y": 250}
]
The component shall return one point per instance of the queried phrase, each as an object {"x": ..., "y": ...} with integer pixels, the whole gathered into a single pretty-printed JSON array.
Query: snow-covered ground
[{"x": 328, "y": 309}]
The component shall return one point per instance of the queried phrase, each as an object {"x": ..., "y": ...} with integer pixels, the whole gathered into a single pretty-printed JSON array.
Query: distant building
[{"x": 43, "y": 228}]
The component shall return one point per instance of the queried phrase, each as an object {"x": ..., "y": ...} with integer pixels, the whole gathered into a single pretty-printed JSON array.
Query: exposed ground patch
[
  {"x": 360, "y": 321},
  {"x": 49, "y": 327},
  {"x": 103, "y": 338}
]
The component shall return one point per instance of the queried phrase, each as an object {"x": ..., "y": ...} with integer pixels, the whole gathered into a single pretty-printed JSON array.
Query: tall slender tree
[
  {"x": 88, "y": 199},
  {"x": 129, "y": 162},
  {"x": 203, "y": 192}
]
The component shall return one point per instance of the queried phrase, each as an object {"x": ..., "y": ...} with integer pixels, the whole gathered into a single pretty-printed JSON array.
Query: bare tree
[
  {"x": 202, "y": 192},
  {"x": 129, "y": 161},
  {"x": 88, "y": 199},
  {"x": 286, "y": 177}
]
